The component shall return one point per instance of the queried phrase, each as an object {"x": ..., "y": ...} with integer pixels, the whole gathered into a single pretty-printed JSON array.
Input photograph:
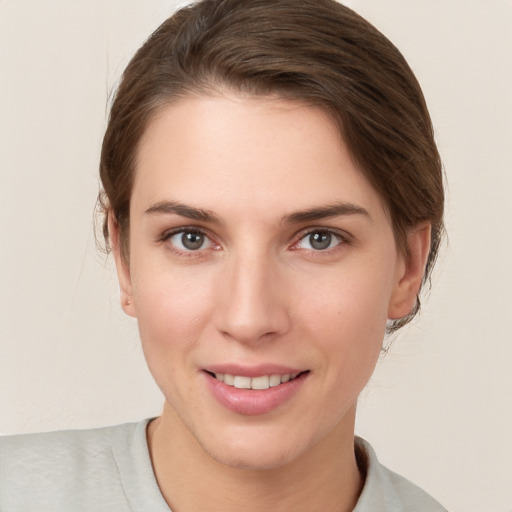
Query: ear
[
  {"x": 410, "y": 271},
  {"x": 122, "y": 267}
]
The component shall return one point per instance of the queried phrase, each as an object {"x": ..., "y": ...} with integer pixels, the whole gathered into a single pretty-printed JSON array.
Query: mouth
[
  {"x": 260, "y": 382},
  {"x": 251, "y": 390}
]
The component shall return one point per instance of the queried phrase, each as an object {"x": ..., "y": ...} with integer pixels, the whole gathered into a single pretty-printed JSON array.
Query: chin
[
  {"x": 255, "y": 459},
  {"x": 255, "y": 448}
]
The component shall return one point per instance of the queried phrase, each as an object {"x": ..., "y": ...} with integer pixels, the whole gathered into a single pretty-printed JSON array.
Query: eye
[
  {"x": 319, "y": 240},
  {"x": 189, "y": 240}
]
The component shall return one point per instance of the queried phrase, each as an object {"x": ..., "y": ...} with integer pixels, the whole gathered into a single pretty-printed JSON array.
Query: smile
[
  {"x": 261, "y": 382},
  {"x": 257, "y": 390}
]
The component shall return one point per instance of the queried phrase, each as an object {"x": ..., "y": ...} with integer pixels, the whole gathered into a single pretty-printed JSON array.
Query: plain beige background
[{"x": 439, "y": 407}]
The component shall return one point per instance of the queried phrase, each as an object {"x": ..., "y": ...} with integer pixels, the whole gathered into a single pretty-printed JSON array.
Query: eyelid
[
  {"x": 346, "y": 238},
  {"x": 181, "y": 229},
  {"x": 167, "y": 235}
]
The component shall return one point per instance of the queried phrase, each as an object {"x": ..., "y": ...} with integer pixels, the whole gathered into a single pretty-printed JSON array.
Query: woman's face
[{"x": 259, "y": 257}]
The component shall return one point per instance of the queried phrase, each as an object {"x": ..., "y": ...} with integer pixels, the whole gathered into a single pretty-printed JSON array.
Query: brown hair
[{"x": 316, "y": 51}]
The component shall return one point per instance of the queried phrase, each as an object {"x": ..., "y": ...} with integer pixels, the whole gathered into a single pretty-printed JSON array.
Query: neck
[{"x": 325, "y": 478}]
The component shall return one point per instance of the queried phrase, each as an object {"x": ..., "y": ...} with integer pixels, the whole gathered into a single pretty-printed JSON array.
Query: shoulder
[
  {"x": 44, "y": 442},
  {"x": 65, "y": 451},
  {"x": 387, "y": 491},
  {"x": 56, "y": 469}
]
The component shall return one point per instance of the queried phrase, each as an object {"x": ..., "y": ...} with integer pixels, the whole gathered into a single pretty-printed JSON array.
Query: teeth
[
  {"x": 242, "y": 382},
  {"x": 262, "y": 382},
  {"x": 274, "y": 380}
]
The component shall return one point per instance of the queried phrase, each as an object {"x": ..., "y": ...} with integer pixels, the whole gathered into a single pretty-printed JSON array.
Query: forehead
[{"x": 260, "y": 153}]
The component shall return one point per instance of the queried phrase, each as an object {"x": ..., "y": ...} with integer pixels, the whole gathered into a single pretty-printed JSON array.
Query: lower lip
[{"x": 252, "y": 402}]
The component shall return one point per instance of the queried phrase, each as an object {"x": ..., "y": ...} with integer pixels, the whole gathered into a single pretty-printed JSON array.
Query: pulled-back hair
[{"x": 316, "y": 51}]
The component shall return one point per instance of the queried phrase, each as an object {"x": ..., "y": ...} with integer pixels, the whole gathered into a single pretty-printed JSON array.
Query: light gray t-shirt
[{"x": 109, "y": 470}]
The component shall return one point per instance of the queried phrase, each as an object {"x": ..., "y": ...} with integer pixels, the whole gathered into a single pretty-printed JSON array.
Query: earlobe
[
  {"x": 410, "y": 274},
  {"x": 122, "y": 267}
]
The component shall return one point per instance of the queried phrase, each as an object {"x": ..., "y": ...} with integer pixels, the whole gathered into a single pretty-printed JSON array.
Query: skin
[{"x": 257, "y": 291}]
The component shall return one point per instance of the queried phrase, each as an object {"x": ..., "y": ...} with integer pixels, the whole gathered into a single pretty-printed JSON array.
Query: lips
[{"x": 254, "y": 391}]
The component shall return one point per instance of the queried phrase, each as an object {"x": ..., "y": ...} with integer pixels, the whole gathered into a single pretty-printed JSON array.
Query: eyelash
[
  {"x": 166, "y": 237},
  {"x": 343, "y": 240}
]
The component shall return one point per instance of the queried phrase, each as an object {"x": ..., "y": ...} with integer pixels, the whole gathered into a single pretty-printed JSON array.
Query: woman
[{"x": 273, "y": 199}]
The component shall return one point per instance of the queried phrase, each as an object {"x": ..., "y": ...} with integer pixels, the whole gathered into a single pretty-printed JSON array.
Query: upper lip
[{"x": 253, "y": 370}]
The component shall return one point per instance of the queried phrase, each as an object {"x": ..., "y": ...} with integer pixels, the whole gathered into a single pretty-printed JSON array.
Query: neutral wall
[{"x": 439, "y": 407}]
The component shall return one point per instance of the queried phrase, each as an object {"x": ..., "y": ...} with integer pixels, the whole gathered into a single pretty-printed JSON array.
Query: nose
[{"x": 252, "y": 303}]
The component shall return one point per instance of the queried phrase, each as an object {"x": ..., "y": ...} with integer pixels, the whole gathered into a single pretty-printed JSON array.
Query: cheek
[
  {"x": 347, "y": 316},
  {"x": 172, "y": 308},
  {"x": 351, "y": 304},
  {"x": 350, "y": 335}
]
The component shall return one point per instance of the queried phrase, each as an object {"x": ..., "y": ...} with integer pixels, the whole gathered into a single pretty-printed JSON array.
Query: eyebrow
[
  {"x": 323, "y": 212},
  {"x": 200, "y": 214},
  {"x": 190, "y": 212}
]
